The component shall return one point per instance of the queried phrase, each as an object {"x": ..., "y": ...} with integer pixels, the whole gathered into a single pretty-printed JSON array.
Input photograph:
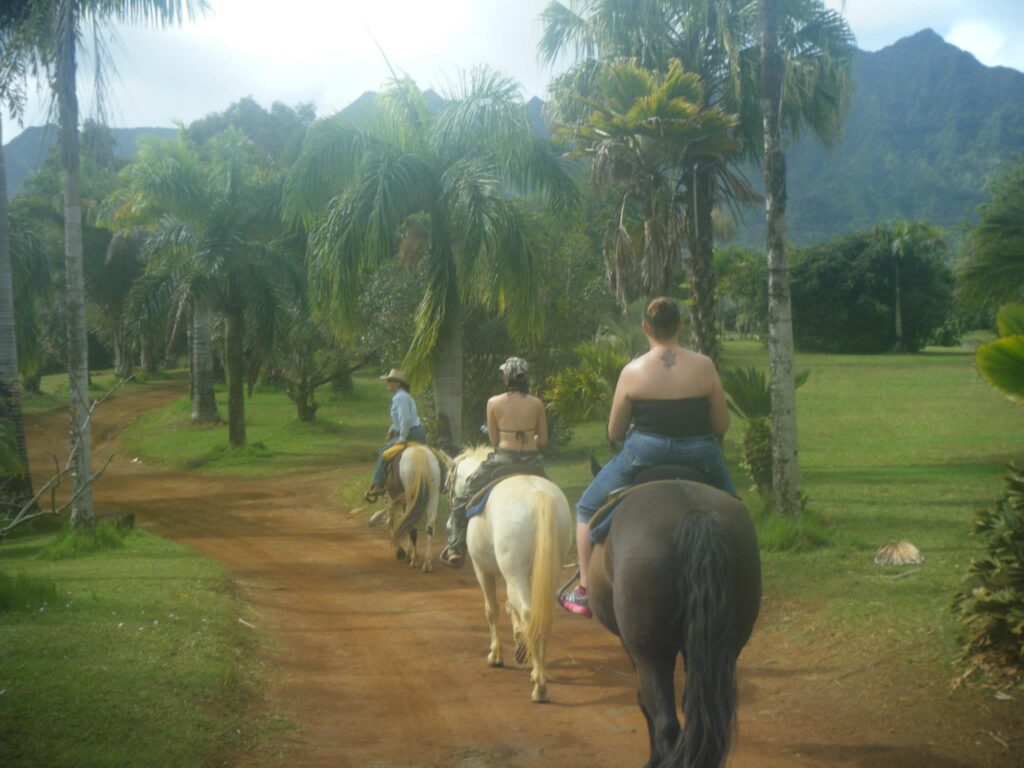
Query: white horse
[
  {"x": 413, "y": 486},
  {"x": 522, "y": 535}
]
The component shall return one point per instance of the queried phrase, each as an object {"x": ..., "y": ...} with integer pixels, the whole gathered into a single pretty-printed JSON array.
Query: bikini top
[{"x": 680, "y": 417}]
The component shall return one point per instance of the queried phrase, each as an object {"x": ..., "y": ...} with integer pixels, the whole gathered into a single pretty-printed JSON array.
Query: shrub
[
  {"x": 990, "y": 606},
  {"x": 23, "y": 592},
  {"x": 72, "y": 543}
]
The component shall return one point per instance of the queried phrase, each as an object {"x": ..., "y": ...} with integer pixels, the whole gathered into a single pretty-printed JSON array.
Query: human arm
[
  {"x": 719, "y": 410},
  {"x": 492, "y": 423},
  {"x": 541, "y": 433},
  {"x": 402, "y": 415},
  {"x": 622, "y": 409}
]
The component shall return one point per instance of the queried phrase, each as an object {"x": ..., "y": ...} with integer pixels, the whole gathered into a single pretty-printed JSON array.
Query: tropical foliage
[
  {"x": 990, "y": 606},
  {"x": 437, "y": 183},
  {"x": 750, "y": 398},
  {"x": 845, "y": 291}
]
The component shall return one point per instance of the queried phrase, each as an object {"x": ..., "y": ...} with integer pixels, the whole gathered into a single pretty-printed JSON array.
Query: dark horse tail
[{"x": 706, "y": 581}]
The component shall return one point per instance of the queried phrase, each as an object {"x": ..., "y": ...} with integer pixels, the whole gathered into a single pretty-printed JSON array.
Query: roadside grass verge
[
  {"x": 53, "y": 389},
  {"x": 126, "y": 656},
  {"x": 348, "y": 428}
]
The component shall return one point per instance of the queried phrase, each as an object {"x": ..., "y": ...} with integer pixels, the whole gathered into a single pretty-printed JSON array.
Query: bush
[
  {"x": 23, "y": 592},
  {"x": 844, "y": 292},
  {"x": 72, "y": 543},
  {"x": 990, "y": 607}
]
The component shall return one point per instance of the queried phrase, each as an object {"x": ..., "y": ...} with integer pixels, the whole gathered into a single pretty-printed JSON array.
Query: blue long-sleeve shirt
[{"x": 403, "y": 413}]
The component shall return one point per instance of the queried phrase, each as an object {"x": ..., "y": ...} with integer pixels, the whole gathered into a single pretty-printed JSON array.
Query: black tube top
[{"x": 682, "y": 417}]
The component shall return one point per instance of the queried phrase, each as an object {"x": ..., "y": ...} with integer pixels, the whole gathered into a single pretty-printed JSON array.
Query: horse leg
[
  {"x": 412, "y": 548},
  {"x": 650, "y": 727},
  {"x": 488, "y": 584},
  {"x": 657, "y": 700}
]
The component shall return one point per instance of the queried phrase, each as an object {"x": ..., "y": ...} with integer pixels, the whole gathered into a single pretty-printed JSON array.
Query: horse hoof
[
  {"x": 495, "y": 662},
  {"x": 428, "y": 568},
  {"x": 400, "y": 554},
  {"x": 539, "y": 697}
]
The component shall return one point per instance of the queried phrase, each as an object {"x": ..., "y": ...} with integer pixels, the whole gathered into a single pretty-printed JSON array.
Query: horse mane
[{"x": 478, "y": 452}]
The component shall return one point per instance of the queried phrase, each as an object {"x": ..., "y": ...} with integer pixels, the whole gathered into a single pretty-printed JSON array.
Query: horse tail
[
  {"x": 706, "y": 579},
  {"x": 546, "y": 564},
  {"x": 417, "y": 490}
]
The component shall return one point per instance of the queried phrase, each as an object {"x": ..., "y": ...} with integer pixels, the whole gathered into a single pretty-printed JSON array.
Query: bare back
[
  {"x": 667, "y": 372},
  {"x": 517, "y": 422}
]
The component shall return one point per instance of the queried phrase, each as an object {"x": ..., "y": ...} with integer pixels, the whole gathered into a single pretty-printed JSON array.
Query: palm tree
[
  {"x": 637, "y": 128},
  {"x": 901, "y": 241},
  {"x": 994, "y": 271},
  {"x": 443, "y": 180},
  {"x": 213, "y": 242},
  {"x": 15, "y": 55},
  {"x": 716, "y": 40},
  {"x": 67, "y": 18}
]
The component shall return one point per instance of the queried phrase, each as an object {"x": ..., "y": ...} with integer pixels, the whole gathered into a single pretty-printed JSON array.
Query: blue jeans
[
  {"x": 416, "y": 433},
  {"x": 643, "y": 450}
]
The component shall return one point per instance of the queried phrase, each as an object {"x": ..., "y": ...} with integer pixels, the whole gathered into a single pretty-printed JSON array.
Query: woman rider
[
  {"x": 517, "y": 427},
  {"x": 674, "y": 400},
  {"x": 405, "y": 426}
]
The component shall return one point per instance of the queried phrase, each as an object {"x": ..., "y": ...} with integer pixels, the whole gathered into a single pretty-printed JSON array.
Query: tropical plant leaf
[
  {"x": 1011, "y": 320},
  {"x": 1001, "y": 362}
]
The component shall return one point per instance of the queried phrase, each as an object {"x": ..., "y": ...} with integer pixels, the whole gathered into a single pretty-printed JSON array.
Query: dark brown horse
[{"x": 679, "y": 573}]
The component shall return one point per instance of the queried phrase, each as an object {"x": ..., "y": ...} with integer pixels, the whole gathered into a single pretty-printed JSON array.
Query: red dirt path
[{"x": 381, "y": 666}]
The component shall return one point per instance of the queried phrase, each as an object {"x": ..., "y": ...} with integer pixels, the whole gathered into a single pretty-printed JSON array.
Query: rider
[
  {"x": 517, "y": 427},
  {"x": 674, "y": 399},
  {"x": 405, "y": 426}
]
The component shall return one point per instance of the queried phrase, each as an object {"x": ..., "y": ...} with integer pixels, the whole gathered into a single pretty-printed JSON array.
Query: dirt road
[{"x": 381, "y": 666}]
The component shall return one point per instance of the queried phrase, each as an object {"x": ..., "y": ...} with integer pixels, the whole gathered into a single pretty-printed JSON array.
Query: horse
[
  {"x": 522, "y": 535},
  {"x": 679, "y": 573},
  {"x": 413, "y": 484}
]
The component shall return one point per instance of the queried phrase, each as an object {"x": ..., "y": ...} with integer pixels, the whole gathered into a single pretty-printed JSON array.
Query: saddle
[
  {"x": 478, "y": 501},
  {"x": 601, "y": 522}
]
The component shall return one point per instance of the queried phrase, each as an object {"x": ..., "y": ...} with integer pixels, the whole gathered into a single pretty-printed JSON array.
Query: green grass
[
  {"x": 348, "y": 428},
  {"x": 131, "y": 656},
  {"x": 53, "y": 390}
]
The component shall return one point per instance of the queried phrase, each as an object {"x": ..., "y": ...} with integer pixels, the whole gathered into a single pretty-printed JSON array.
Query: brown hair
[{"x": 663, "y": 318}]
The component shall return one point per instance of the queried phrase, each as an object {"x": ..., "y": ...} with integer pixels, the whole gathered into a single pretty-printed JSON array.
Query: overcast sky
[{"x": 323, "y": 51}]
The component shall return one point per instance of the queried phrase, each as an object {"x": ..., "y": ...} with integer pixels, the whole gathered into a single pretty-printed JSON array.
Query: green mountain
[
  {"x": 928, "y": 125},
  {"x": 28, "y": 150}
]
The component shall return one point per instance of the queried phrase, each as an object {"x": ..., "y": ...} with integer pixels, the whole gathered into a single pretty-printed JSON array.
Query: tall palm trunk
[
  {"x": 78, "y": 352},
  {"x": 897, "y": 306},
  {"x": 234, "y": 363},
  {"x": 17, "y": 489},
  {"x": 447, "y": 374},
  {"x": 785, "y": 467},
  {"x": 700, "y": 242},
  {"x": 204, "y": 404}
]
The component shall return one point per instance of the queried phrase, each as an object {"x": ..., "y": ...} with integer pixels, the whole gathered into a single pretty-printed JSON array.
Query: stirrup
[{"x": 451, "y": 557}]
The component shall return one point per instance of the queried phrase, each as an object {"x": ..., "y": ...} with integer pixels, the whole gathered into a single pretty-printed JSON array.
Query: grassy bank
[
  {"x": 348, "y": 428},
  {"x": 131, "y": 656},
  {"x": 53, "y": 390}
]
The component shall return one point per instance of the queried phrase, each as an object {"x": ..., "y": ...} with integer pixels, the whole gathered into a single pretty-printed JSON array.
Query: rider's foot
[
  {"x": 452, "y": 557},
  {"x": 576, "y": 602},
  {"x": 372, "y": 494}
]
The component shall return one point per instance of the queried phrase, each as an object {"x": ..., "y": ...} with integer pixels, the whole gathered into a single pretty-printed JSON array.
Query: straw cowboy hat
[{"x": 397, "y": 374}]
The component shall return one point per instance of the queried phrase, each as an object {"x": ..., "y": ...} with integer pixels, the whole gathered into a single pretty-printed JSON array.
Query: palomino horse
[
  {"x": 680, "y": 573},
  {"x": 522, "y": 535},
  {"x": 413, "y": 485}
]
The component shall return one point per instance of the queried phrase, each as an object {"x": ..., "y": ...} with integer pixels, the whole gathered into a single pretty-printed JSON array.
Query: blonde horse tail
[
  {"x": 415, "y": 490},
  {"x": 546, "y": 565}
]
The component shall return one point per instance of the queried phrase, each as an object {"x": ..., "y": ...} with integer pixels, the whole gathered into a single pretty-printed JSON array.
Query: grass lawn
[
  {"x": 348, "y": 428},
  {"x": 53, "y": 390},
  {"x": 891, "y": 447},
  {"x": 99, "y": 647}
]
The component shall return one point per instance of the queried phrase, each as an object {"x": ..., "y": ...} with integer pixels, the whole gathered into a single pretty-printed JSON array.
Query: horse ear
[{"x": 594, "y": 466}]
